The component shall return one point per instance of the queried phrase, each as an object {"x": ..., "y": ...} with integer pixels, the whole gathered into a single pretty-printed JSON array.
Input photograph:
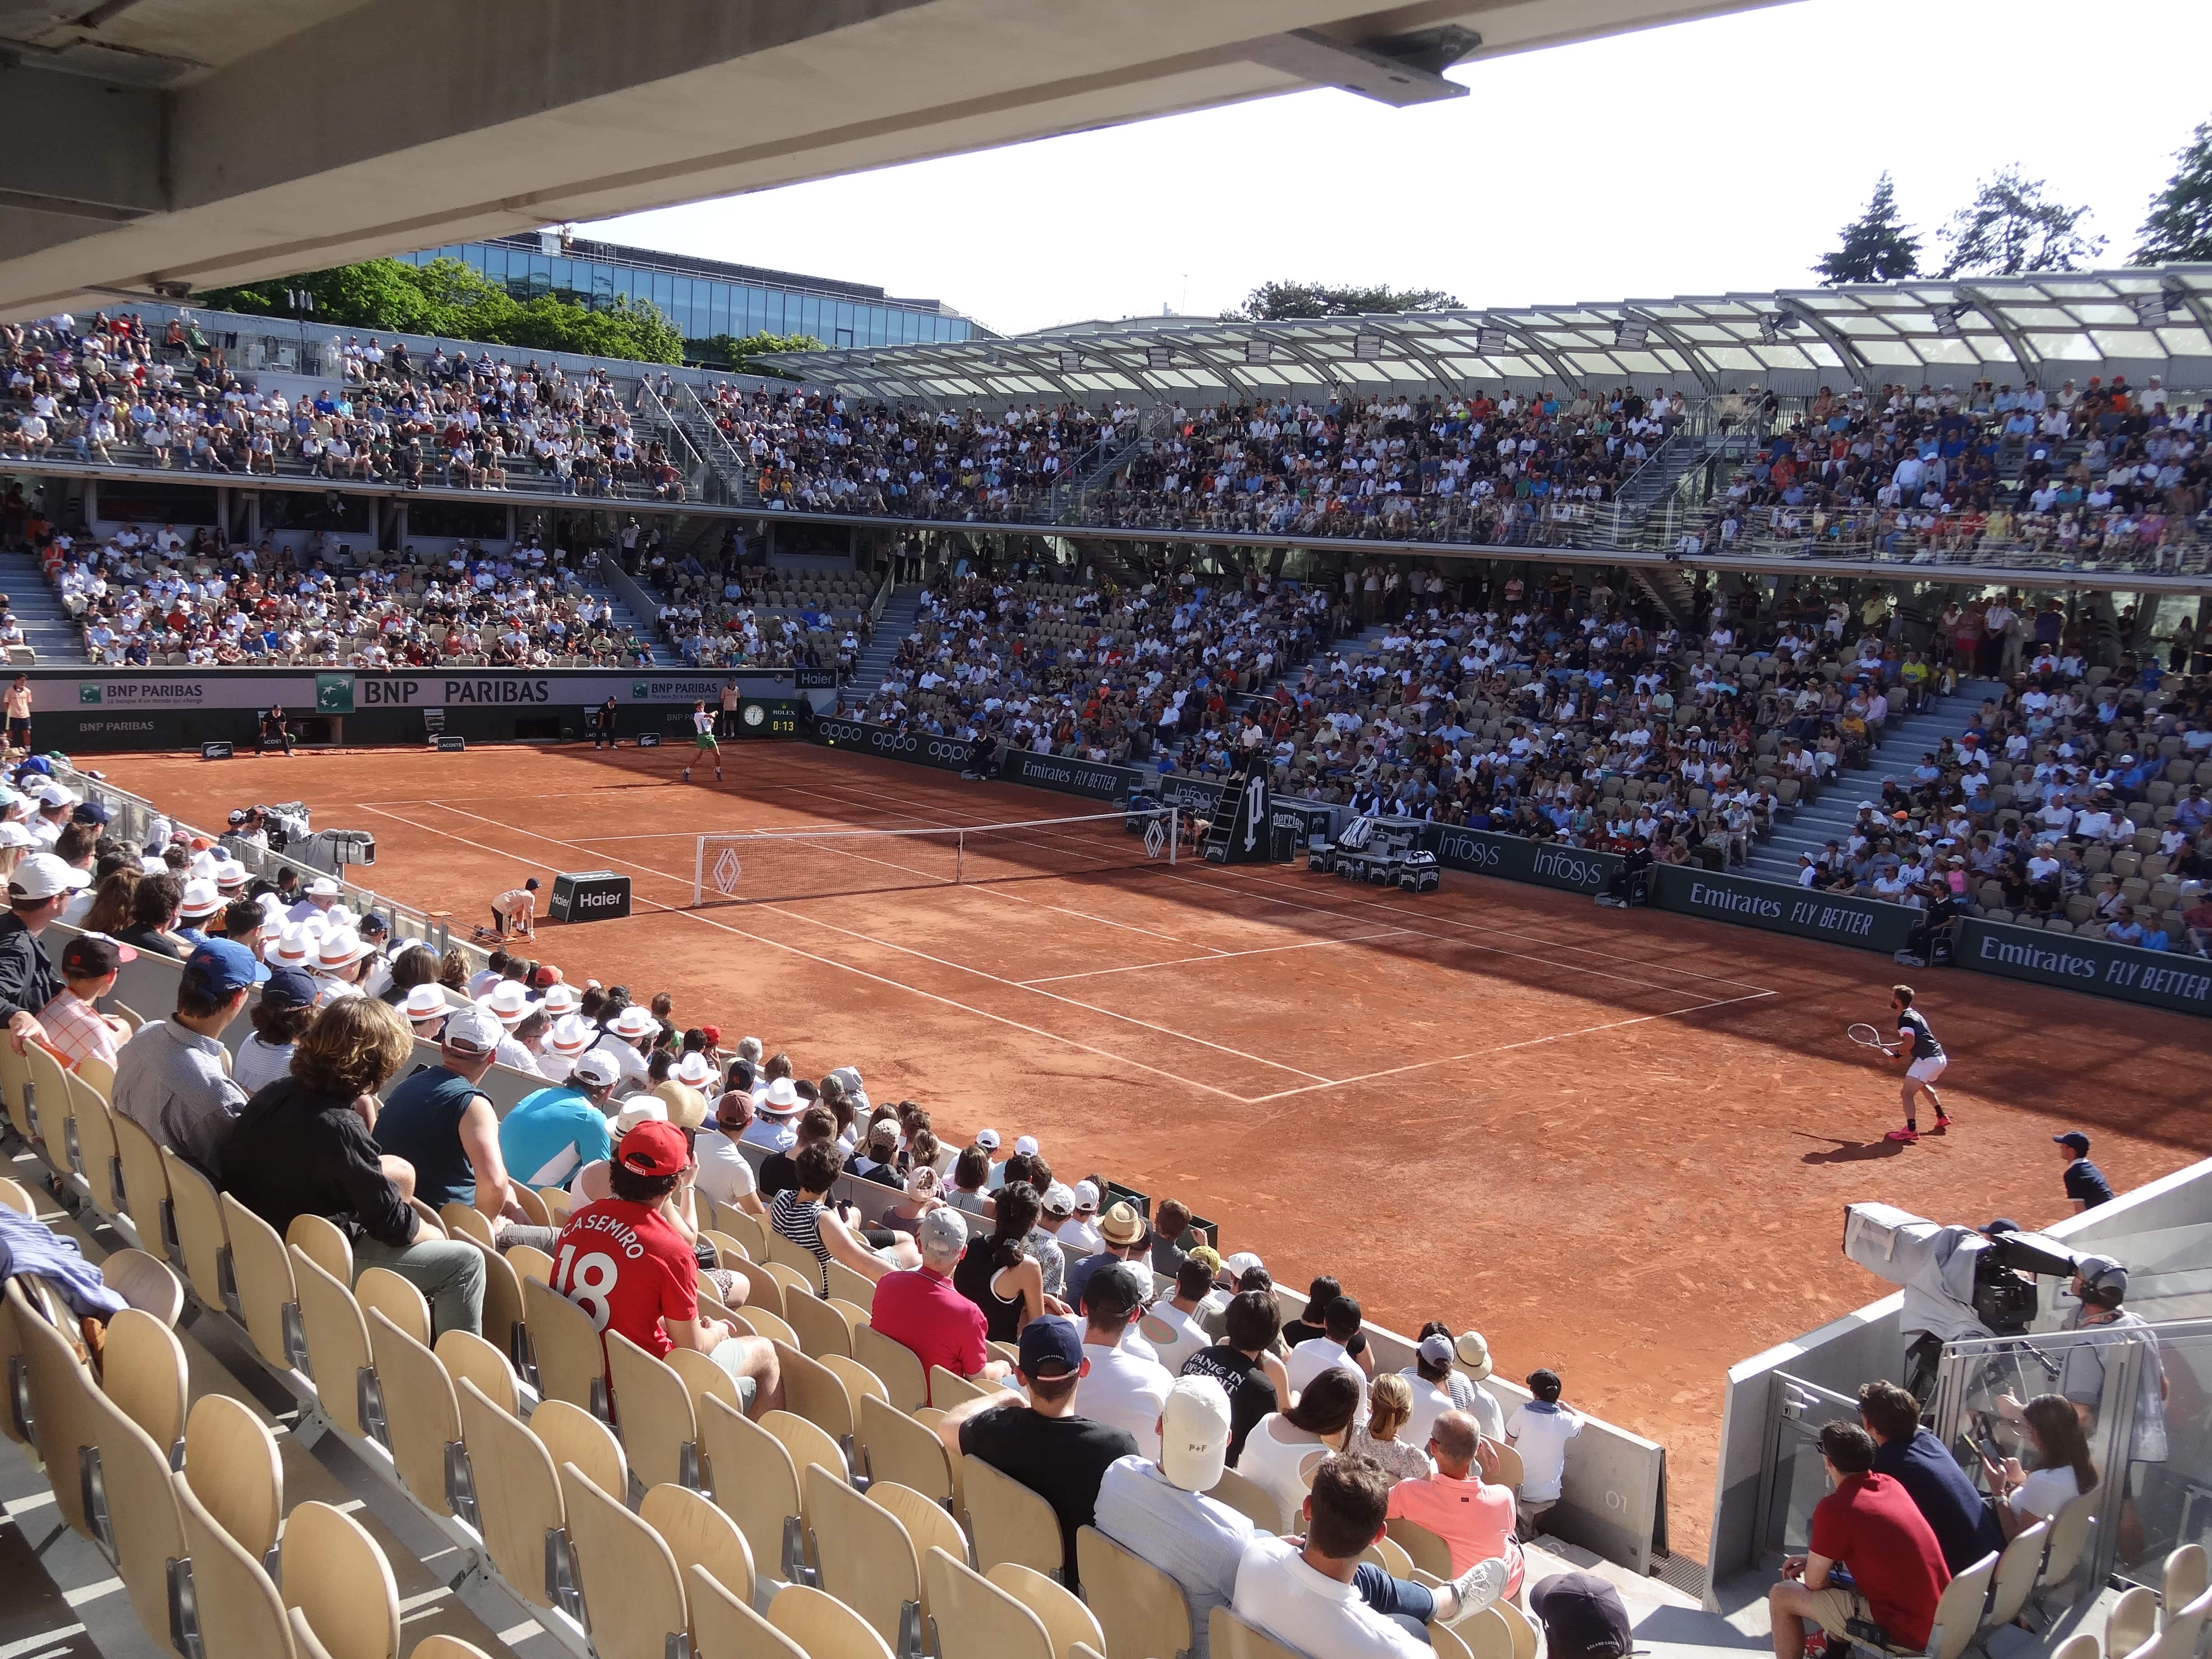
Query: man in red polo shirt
[
  {"x": 1870, "y": 1526},
  {"x": 922, "y": 1310}
]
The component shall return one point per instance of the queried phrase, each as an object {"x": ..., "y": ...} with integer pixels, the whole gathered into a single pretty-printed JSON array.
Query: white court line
[
  {"x": 902, "y": 950},
  {"x": 1505, "y": 1048},
  {"x": 1221, "y": 955},
  {"x": 1448, "y": 921},
  {"x": 831, "y": 961}
]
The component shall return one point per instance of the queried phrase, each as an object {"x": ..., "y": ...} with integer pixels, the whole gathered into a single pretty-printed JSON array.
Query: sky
[{"x": 1708, "y": 157}]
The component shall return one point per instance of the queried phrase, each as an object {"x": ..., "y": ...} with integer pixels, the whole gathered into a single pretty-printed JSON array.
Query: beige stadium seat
[
  {"x": 947, "y": 1390},
  {"x": 701, "y": 1377},
  {"x": 97, "y": 1152},
  {"x": 928, "y": 1524},
  {"x": 447, "y": 1647},
  {"x": 860, "y": 1383},
  {"x": 519, "y": 1506},
  {"x": 790, "y": 1277},
  {"x": 145, "y": 1532},
  {"x": 339, "y": 1357},
  {"x": 502, "y": 1304},
  {"x": 2012, "y": 1582},
  {"x": 464, "y": 1354},
  {"x": 1008, "y": 1522},
  {"x": 466, "y": 1221},
  {"x": 633, "y": 1592},
  {"x": 263, "y": 1271},
  {"x": 1072, "y": 1627},
  {"x": 17, "y": 1197},
  {"x": 1428, "y": 1552},
  {"x": 867, "y": 1560},
  {"x": 1231, "y": 1637},
  {"x": 2082, "y": 1644},
  {"x": 698, "y": 1534},
  {"x": 232, "y": 1464},
  {"x": 653, "y": 1415},
  {"x": 1255, "y": 1502},
  {"x": 821, "y": 1329},
  {"x": 335, "y": 1575},
  {"x": 807, "y": 1442},
  {"x": 147, "y": 1283},
  {"x": 901, "y": 1449},
  {"x": 813, "y": 1391},
  {"x": 1525, "y": 1640},
  {"x": 65, "y": 1405},
  {"x": 422, "y": 1419},
  {"x": 428, "y": 1217},
  {"x": 572, "y": 1434},
  {"x": 823, "y": 1627},
  {"x": 571, "y": 1363},
  {"x": 976, "y": 1620},
  {"x": 325, "y": 1244},
  {"x": 15, "y": 1088},
  {"x": 747, "y": 1230},
  {"x": 1388, "y": 1554},
  {"x": 530, "y": 1262},
  {"x": 1958, "y": 1610},
  {"x": 754, "y": 1481},
  {"x": 143, "y": 1373},
  {"x": 380, "y": 1290},
  {"x": 235, "y": 1609},
  {"x": 2180, "y": 1629},
  {"x": 846, "y": 1286},
  {"x": 2069, "y": 1534},
  {"x": 558, "y": 1204},
  {"x": 2187, "y": 1575},
  {"x": 1485, "y": 1636},
  {"x": 2132, "y": 1621},
  {"x": 905, "y": 1383},
  {"x": 1142, "y": 1611},
  {"x": 49, "y": 1088},
  {"x": 205, "y": 1247},
  {"x": 534, "y": 1208}
]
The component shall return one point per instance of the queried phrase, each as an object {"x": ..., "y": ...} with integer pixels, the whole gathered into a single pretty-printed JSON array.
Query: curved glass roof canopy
[{"x": 2050, "y": 327}]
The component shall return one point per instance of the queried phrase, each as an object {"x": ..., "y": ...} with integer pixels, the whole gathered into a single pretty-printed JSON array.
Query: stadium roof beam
[
  {"x": 1707, "y": 382},
  {"x": 1838, "y": 341},
  {"x": 1994, "y": 313},
  {"x": 164, "y": 147}
]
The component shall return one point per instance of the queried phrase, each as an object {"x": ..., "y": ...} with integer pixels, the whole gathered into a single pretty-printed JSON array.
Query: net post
[
  {"x": 698, "y": 872},
  {"x": 959, "y": 858},
  {"x": 1175, "y": 832}
]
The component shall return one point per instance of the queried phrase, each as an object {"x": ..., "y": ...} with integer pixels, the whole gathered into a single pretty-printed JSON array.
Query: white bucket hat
[
  {"x": 293, "y": 949},
  {"x": 572, "y": 1035},
  {"x": 507, "y": 1002},
  {"x": 341, "y": 947},
  {"x": 424, "y": 1002},
  {"x": 635, "y": 1022},
  {"x": 561, "y": 1000}
]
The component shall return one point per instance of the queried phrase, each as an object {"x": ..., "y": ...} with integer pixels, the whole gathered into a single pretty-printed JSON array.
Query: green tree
[
  {"x": 452, "y": 300},
  {"x": 1877, "y": 247},
  {"x": 1275, "y": 302},
  {"x": 2178, "y": 229},
  {"x": 741, "y": 352},
  {"x": 2008, "y": 228}
]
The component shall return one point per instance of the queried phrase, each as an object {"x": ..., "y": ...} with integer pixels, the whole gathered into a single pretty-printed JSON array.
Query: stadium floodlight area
[{"x": 785, "y": 866}]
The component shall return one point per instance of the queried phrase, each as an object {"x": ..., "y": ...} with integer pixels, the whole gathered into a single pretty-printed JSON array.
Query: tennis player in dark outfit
[{"x": 1924, "y": 1062}]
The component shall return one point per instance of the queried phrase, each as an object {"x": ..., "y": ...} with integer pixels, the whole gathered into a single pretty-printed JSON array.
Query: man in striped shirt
[{"x": 76, "y": 1031}]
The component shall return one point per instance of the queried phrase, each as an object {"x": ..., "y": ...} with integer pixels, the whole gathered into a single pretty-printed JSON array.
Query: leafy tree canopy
[
  {"x": 2008, "y": 228},
  {"x": 732, "y": 351},
  {"x": 2180, "y": 226},
  {"x": 452, "y": 300},
  {"x": 1275, "y": 302},
  {"x": 1877, "y": 248}
]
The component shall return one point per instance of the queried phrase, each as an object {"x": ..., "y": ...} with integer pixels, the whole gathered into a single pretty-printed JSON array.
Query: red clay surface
[{"x": 1619, "y": 1144}]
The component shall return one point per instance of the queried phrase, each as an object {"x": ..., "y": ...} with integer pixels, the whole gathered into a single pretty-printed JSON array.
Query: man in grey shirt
[{"x": 170, "y": 1078}]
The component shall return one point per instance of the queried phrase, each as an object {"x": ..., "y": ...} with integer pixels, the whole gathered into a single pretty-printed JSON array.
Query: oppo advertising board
[{"x": 949, "y": 753}]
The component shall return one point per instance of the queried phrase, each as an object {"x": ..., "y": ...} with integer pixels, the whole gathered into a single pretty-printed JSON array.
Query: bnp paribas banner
[
  {"x": 462, "y": 688},
  {"x": 187, "y": 691}
]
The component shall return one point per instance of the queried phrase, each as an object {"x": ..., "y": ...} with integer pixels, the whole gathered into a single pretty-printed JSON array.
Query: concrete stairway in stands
[
  {"x": 46, "y": 627},
  {"x": 1813, "y": 826},
  {"x": 893, "y": 626}
]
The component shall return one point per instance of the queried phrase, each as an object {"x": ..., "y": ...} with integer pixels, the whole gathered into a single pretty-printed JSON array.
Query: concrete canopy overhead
[{"x": 161, "y": 146}]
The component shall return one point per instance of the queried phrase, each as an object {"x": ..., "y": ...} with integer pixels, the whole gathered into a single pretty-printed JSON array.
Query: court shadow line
[{"x": 1853, "y": 1152}]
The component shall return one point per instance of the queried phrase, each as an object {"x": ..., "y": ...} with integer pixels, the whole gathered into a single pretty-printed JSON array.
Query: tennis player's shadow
[{"x": 1849, "y": 1151}]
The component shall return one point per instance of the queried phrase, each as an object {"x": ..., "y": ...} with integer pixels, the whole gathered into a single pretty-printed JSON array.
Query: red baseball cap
[
  {"x": 655, "y": 1147},
  {"x": 712, "y": 1034}
]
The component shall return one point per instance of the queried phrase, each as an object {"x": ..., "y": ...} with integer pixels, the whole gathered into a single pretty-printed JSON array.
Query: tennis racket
[{"x": 1866, "y": 1037}]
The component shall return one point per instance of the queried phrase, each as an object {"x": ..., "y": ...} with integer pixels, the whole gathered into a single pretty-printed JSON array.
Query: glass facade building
[{"x": 706, "y": 297}]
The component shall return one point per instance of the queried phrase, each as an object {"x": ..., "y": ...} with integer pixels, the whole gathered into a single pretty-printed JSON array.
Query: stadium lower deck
[{"x": 1619, "y": 1143}]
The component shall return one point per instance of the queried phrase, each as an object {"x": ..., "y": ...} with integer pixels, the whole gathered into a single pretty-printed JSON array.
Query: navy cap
[
  {"x": 93, "y": 812},
  {"x": 1051, "y": 1347},
  {"x": 219, "y": 968},
  {"x": 289, "y": 987},
  {"x": 1584, "y": 1617},
  {"x": 2074, "y": 1140}
]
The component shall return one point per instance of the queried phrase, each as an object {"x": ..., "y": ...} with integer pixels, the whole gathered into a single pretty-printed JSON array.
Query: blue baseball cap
[
  {"x": 289, "y": 987},
  {"x": 219, "y": 968},
  {"x": 1051, "y": 1347}
]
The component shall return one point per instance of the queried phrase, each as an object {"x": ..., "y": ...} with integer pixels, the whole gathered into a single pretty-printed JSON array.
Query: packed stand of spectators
[
  {"x": 1507, "y": 471},
  {"x": 2077, "y": 799},
  {"x": 719, "y": 612},
  {"x": 1126, "y": 676},
  {"x": 806, "y": 451},
  {"x": 154, "y": 596},
  {"x": 2109, "y": 473},
  {"x": 107, "y": 392}
]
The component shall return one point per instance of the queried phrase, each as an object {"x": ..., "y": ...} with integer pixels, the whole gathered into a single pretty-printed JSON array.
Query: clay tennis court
[{"x": 1619, "y": 1143}]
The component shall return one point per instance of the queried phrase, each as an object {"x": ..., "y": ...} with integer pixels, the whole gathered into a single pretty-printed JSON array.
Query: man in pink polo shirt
[
  {"x": 922, "y": 1310},
  {"x": 1473, "y": 1518}
]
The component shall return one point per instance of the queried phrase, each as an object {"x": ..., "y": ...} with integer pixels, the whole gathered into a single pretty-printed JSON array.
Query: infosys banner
[
  {"x": 2154, "y": 978},
  {"x": 1781, "y": 908},
  {"x": 1515, "y": 858},
  {"x": 951, "y": 753}
]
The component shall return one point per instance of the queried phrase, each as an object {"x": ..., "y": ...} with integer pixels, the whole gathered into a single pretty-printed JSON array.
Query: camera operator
[
  {"x": 248, "y": 829},
  {"x": 2102, "y": 1285}
]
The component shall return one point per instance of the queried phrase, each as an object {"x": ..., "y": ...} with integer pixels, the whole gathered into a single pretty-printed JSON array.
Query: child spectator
[{"x": 1541, "y": 1430}]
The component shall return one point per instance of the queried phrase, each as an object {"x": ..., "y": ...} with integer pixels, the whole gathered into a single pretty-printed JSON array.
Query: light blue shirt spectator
[{"x": 1195, "y": 1540}]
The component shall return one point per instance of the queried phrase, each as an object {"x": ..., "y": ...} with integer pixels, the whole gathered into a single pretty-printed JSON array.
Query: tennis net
[{"x": 776, "y": 865}]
